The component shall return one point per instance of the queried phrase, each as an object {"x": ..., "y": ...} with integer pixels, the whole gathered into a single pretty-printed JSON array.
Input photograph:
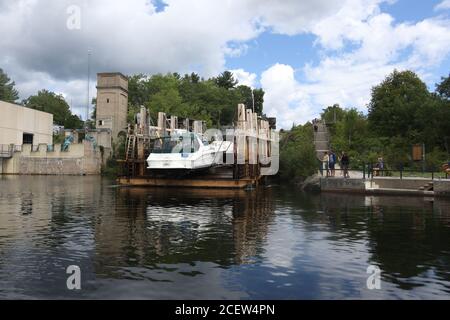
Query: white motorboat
[{"x": 186, "y": 151}]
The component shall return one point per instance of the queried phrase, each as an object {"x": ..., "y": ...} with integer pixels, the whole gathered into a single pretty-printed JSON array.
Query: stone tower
[{"x": 112, "y": 102}]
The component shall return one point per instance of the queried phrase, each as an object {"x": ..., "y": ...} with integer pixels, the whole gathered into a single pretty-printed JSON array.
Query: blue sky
[
  {"x": 305, "y": 54},
  {"x": 271, "y": 48}
]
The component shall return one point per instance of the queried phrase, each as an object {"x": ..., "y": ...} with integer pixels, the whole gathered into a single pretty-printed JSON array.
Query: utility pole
[
  {"x": 253, "y": 99},
  {"x": 88, "y": 86}
]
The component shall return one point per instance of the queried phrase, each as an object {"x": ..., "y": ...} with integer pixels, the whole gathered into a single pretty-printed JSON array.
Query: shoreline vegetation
[{"x": 402, "y": 112}]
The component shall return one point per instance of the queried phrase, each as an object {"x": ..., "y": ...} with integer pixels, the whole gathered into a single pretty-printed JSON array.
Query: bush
[
  {"x": 111, "y": 169},
  {"x": 435, "y": 159},
  {"x": 297, "y": 154}
]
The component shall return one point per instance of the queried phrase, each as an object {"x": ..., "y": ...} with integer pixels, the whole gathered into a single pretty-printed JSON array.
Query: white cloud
[
  {"x": 38, "y": 50},
  {"x": 245, "y": 78},
  {"x": 284, "y": 98},
  {"x": 346, "y": 76},
  {"x": 357, "y": 43},
  {"x": 444, "y": 5}
]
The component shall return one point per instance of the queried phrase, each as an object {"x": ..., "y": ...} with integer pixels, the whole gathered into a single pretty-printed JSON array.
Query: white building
[{"x": 20, "y": 125}]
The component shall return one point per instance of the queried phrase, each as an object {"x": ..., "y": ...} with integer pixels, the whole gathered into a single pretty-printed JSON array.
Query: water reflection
[
  {"x": 180, "y": 226},
  {"x": 176, "y": 243}
]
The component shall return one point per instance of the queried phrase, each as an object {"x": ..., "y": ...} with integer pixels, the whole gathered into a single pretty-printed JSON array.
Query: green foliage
[
  {"x": 332, "y": 114},
  {"x": 7, "y": 91},
  {"x": 248, "y": 96},
  {"x": 58, "y": 138},
  {"x": 119, "y": 147},
  {"x": 111, "y": 168},
  {"x": 397, "y": 103},
  {"x": 435, "y": 159},
  {"x": 402, "y": 112},
  {"x": 226, "y": 80},
  {"x": 50, "y": 102},
  {"x": 297, "y": 155},
  {"x": 443, "y": 88},
  {"x": 213, "y": 100}
]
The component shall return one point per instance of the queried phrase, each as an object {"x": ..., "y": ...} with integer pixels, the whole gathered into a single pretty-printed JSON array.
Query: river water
[{"x": 273, "y": 243}]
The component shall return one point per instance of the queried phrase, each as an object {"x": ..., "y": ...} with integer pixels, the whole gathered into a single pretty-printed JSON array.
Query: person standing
[
  {"x": 326, "y": 163},
  {"x": 320, "y": 165},
  {"x": 381, "y": 165},
  {"x": 345, "y": 160},
  {"x": 332, "y": 163},
  {"x": 340, "y": 163}
]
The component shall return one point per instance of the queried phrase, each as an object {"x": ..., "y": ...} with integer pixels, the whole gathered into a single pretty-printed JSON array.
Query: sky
[{"x": 305, "y": 54}]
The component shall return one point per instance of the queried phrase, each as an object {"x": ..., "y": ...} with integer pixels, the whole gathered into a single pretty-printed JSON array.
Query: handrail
[
  {"x": 371, "y": 172},
  {"x": 6, "y": 150}
]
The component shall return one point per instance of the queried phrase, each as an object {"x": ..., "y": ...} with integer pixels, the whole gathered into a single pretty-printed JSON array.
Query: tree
[
  {"x": 245, "y": 94},
  {"x": 7, "y": 91},
  {"x": 226, "y": 80},
  {"x": 191, "y": 96},
  {"x": 333, "y": 114},
  {"x": 442, "y": 128},
  {"x": 443, "y": 88},
  {"x": 396, "y": 102},
  {"x": 297, "y": 154},
  {"x": 195, "y": 78},
  {"x": 50, "y": 102},
  {"x": 258, "y": 95},
  {"x": 137, "y": 90}
]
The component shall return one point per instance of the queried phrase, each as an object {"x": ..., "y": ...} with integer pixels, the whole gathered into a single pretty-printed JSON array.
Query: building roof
[{"x": 20, "y": 106}]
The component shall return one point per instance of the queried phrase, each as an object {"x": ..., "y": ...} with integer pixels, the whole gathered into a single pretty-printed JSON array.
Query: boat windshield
[{"x": 185, "y": 143}]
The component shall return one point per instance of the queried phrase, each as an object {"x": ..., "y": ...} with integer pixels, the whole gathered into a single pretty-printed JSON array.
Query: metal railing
[
  {"x": 6, "y": 150},
  {"x": 370, "y": 172},
  {"x": 405, "y": 173}
]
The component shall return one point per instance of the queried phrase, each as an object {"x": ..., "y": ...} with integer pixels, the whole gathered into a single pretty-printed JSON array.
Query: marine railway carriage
[{"x": 177, "y": 154}]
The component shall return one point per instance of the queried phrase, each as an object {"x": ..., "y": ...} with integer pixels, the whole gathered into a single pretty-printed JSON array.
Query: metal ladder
[{"x": 131, "y": 144}]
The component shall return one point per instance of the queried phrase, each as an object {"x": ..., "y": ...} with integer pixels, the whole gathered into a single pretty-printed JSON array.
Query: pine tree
[{"x": 7, "y": 91}]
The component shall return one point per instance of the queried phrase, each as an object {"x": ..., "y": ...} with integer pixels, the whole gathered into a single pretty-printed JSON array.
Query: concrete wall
[
  {"x": 355, "y": 185},
  {"x": 396, "y": 183},
  {"x": 80, "y": 159},
  {"x": 16, "y": 120},
  {"x": 408, "y": 186},
  {"x": 442, "y": 187}
]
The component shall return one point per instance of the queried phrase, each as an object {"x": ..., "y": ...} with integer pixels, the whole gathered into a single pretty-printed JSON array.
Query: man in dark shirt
[{"x": 345, "y": 161}]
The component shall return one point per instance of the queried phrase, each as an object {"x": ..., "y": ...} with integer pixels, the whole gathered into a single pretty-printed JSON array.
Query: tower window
[{"x": 107, "y": 100}]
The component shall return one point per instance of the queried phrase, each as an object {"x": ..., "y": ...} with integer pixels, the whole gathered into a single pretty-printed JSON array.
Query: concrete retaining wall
[
  {"x": 385, "y": 186},
  {"x": 442, "y": 187},
  {"x": 79, "y": 159},
  {"x": 396, "y": 183},
  {"x": 330, "y": 184}
]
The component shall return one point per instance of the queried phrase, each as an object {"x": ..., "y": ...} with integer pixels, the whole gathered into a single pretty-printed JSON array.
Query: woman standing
[{"x": 326, "y": 163}]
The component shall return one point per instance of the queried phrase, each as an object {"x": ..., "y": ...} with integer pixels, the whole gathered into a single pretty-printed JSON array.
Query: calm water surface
[{"x": 274, "y": 243}]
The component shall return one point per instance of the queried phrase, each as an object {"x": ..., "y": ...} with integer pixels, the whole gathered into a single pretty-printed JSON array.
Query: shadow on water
[{"x": 192, "y": 243}]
